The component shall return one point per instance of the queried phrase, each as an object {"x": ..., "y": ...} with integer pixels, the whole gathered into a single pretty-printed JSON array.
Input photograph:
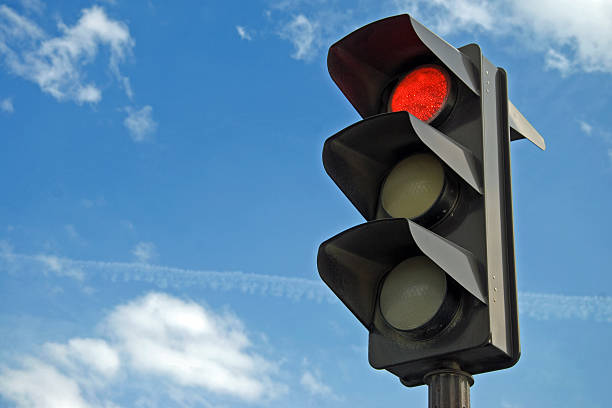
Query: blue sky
[{"x": 163, "y": 198}]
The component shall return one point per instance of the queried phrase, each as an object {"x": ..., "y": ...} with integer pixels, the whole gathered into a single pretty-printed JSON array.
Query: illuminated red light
[{"x": 422, "y": 92}]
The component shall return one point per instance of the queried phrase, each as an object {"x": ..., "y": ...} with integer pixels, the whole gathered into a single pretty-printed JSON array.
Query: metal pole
[{"x": 449, "y": 387}]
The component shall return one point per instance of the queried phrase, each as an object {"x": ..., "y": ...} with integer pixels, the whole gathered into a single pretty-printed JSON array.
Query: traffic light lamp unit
[{"x": 431, "y": 273}]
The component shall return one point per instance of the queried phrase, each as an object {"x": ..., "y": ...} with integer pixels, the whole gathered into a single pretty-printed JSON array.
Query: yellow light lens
[{"x": 413, "y": 186}]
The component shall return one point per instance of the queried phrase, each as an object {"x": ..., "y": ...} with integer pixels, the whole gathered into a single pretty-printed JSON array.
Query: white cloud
[
  {"x": 186, "y": 349},
  {"x": 40, "y": 385},
  {"x": 57, "y": 64},
  {"x": 585, "y": 127},
  {"x": 314, "y": 385},
  {"x": 582, "y": 27},
  {"x": 140, "y": 123},
  {"x": 305, "y": 36},
  {"x": 6, "y": 105},
  {"x": 558, "y": 61},
  {"x": 92, "y": 354},
  {"x": 193, "y": 347},
  {"x": 144, "y": 252},
  {"x": 242, "y": 32},
  {"x": 88, "y": 93}
]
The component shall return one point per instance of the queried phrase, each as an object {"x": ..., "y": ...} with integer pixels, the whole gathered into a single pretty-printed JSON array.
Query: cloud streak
[
  {"x": 167, "y": 277},
  {"x": 539, "y": 306},
  {"x": 542, "y": 306}
]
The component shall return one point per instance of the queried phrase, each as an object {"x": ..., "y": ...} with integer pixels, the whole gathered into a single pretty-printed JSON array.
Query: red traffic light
[{"x": 424, "y": 92}]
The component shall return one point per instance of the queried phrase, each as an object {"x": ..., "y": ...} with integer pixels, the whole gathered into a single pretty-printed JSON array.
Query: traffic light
[{"x": 431, "y": 273}]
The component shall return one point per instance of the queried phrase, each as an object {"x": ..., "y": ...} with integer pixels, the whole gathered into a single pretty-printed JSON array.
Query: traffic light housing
[{"x": 431, "y": 273}]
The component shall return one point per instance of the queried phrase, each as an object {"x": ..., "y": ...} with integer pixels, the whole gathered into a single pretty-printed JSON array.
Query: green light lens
[{"x": 412, "y": 293}]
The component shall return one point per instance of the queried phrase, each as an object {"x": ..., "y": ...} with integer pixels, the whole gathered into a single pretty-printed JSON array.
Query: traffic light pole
[{"x": 449, "y": 387}]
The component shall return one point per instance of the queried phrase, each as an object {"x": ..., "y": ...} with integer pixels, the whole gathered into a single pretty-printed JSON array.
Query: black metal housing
[{"x": 473, "y": 244}]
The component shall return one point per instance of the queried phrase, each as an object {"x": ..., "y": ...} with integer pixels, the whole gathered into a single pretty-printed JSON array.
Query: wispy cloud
[
  {"x": 6, "y": 105},
  {"x": 560, "y": 307},
  {"x": 585, "y": 127},
  {"x": 313, "y": 384},
  {"x": 305, "y": 36},
  {"x": 558, "y": 61},
  {"x": 242, "y": 32},
  {"x": 535, "y": 305},
  {"x": 140, "y": 123},
  {"x": 196, "y": 351},
  {"x": 145, "y": 252},
  {"x": 57, "y": 63},
  {"x": 599, "y": 134},
  {"x": 34, "y": 6}
]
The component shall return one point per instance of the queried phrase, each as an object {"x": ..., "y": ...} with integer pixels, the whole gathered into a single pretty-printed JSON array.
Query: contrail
[
  {"x": 539, "y": 306},
  {"x": 170, "y": 277},
  {"x": 543, "y": 306}
]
